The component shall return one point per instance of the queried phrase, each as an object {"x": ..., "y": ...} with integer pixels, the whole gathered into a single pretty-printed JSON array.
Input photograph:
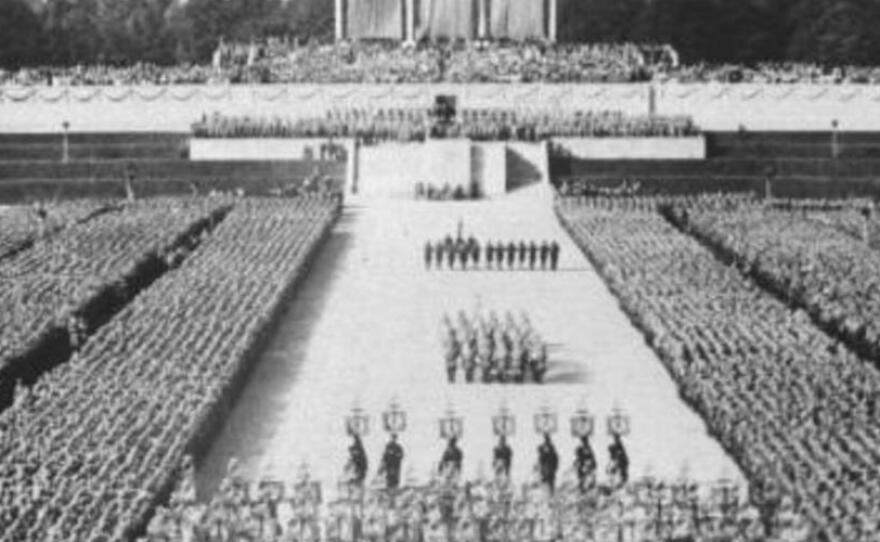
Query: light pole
[
  {"x": 65, "y": 143},
  {"x": 835, "y": 149}
]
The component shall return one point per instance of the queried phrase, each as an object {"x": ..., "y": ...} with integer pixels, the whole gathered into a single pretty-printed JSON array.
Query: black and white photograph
[{"x": 439, "y": 271}]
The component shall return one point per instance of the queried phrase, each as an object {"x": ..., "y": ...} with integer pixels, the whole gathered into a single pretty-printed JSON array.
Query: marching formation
[
  {"x": 469, "y": 253},
  {"x": 485, "y": 349}
]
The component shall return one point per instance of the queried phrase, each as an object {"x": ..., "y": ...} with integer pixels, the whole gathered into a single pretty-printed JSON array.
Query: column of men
[
  {"x": 461, "y": 253},
  {"x": 487, "y": 350}
]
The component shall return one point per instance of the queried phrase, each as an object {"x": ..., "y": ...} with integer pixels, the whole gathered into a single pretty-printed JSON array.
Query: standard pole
[
  {"x": 410, "y": 20},
  {"x": 338, "y": 20},
  {"x": 65, "y": 143},
  {"x": 483, "y": 27},
  {"x": 553, "y": 25}
]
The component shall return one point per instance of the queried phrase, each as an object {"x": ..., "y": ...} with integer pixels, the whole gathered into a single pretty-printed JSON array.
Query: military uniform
[
  {"x": 429, "y": 253},
  {"x": 438, "y": 252},
  {"x": 464, "y": 252},
  {"x": 357, "y": 460},
  {"x": 502, "y": 458},
  {"x": 490, "y": 255},
  {"x": 585, "y": 464},
  {"x": 511, "y": 255},
  {"x": 450, "y": 462},
  {"x": 538, "y": 363},
  {"x": 469, "y": 360},
  {"x": 499, "y": 254},
  {"x": 554, "y": 255},
  {"x": 619, "y": 460},
  {"x": 548, "y": 462},
  {"x": 391, "y": 462},
  {"x": 451, "y": 249},
  {"x": 544, "y": 252},
  {"x": 533, "y": 254},
  {"x": 474, "y": 247}
]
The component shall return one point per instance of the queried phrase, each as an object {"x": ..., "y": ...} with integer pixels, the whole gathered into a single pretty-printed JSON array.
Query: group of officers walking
[
  {"x": 461, "y": 253},
  {"x": 487, "y": 350},
  {"x": 452, "y": 458}
]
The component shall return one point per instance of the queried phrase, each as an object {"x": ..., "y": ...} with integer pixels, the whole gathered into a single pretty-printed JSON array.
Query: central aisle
[{"x": 364, "y": 329}]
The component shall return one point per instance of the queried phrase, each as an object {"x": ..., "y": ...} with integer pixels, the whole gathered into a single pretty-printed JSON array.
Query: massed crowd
[
  {"x": 643, "y": 510},
  {"x": 288, "y": 60},
  {"x": 414, "y": 124},
  {"x": 813, "y": 259},
  {"x": 794, "y": 406},
  {"x": 90, "y": 448},
  {"x": 48, "y": 289}
]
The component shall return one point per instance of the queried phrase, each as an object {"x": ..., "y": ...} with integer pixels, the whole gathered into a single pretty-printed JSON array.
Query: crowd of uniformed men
[
  {"x": 488, "y": 350},
  {"x": 458, "y": 252}
]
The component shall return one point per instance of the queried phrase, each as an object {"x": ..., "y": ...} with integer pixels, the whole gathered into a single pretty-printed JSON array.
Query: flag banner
[
  {"x": 447, "y": 18},
  {"x": 375, "y": 19},
  {"x": 517, "y": 19}
]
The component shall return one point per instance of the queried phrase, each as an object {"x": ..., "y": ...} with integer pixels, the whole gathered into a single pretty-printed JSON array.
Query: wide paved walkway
[{"x": 364, "y": 330}]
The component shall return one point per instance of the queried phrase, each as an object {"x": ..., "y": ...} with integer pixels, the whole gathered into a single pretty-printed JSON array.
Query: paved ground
[{"x": 364, "y": 330}]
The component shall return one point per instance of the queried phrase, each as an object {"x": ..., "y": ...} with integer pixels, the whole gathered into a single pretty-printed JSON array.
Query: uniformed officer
[
  {"x": 429, "y": 254},
  {"x": 619, "y": 460},
  {"x": 502, "y": 457},
  {"x": 515, "y": 363},
  {"x": 554, "y": 255},
  {"x": 548, "y": 462},
  {"x": 391, "y": 462},
  {"x": 357, "y": 460},
  {"x": 474, "y": 246},
  {"x": 469, "y": 359},
  {"x": 511, "y": 254},
  {"x": 523, "y": 249},
  {"x": 450, "y": 462},
  {"x": 453, "y": 352},
  {"x": 438, "y": 253},
  {"x": 585, "y": 464},
  {"x": 451, "y": 250},
  {"x": 533, "y": 254},
  {"x": 490, "y": 254},
  {"x": 499, "y": 254},
  {"x": 538, "y": 363},
  {"x": 464, "y": 252},
  {"x": 544, "y": 254}
]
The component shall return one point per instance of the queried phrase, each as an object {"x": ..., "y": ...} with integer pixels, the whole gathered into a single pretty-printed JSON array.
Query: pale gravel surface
[{"x": 364, "y": 329}]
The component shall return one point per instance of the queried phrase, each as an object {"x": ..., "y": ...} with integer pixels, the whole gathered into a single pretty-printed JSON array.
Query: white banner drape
[
  {"x": 447, "y": 18},
  {"x": 375, "y": 19},
  {"x": 516, "y": 19}
]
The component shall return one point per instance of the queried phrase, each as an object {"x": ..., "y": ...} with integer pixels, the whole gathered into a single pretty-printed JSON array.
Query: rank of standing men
[
  {"x": 486, "y": 350},
  {"x": 459, "y": 253}
]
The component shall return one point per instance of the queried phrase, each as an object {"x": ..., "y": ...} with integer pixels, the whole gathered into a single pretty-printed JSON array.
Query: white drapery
[
  {"x": 517, "y": 19},
  {"x": 447, "y": 18},
  {"x": 375, "y": 19}
]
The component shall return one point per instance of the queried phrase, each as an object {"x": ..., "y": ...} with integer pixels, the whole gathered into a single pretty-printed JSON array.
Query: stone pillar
[
  {"x": 410, "y": 21},
  {"x": 483, "y": 23},
  {"x": 339, "y": 20},
  {"x": 553, "y": 22}
]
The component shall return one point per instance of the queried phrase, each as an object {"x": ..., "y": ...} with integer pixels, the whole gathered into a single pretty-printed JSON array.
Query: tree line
[{"x": 65, "y": 32}]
